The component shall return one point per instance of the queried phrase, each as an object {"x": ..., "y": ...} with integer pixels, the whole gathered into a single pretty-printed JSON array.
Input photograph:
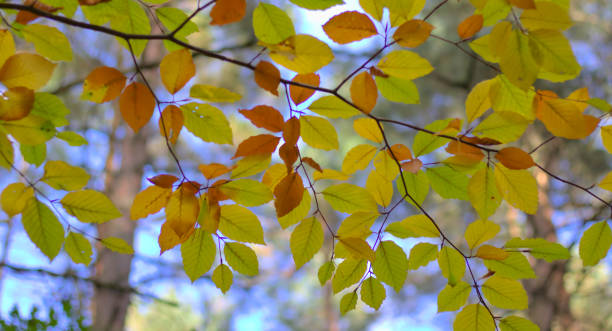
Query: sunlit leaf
[
  {"x": 90, "y": 206},
  {"x": 306, "y": 240}
]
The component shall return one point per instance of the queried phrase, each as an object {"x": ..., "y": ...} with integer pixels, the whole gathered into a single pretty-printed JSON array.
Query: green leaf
[
  {"x": 62, "y": 176},
  {"x": 404, "y": 64},
  {"x": 348, "y": 302},
  {"x": 222, "y": 277},
  {"x": 515, "y": 323},
  {"x": 331, "y": 106},
  {"x": 506, "y": 96},
  {"x": 117, "y": 245},
  {"x": 213, "y": 94},
  {"x": 373, "y": 292},
  {"x": 349, "y": 198},
  {"x": 30, "y": 130},
  {"x": 595, "y": 243},
  {"x": 448, "y": 183},
  {"x": 198, "y": 254},
  {"x": 452, "y": 298},
  {"x": 398, "y": 90},
  {"x": 474, "y": 317},
  {"x": 90, "y": 206},
  {"x": 425, "y": 143},
  {"x": 317, "y": 4},
  {"x": 247, "y": 192},
  {"x": 503, "y": 126},
  {"x": 518, "y": 187},
  {"x": 271, "y": 24},
  {"x": 240, "y": 224},
  {"x": 483, "y": 194},
  {"x": 306, "y": 240},
  {"x": 48, "y": 41},
  {"x": 421, "y": 254},
  {"x": 43, "y": 228},
  {"x": 540, "y": 248},
  {"x": 514, "y": 266},
  {"x": 417, "y": 186},
  {"x": 480, "y": 231},
  {"x": 385, "y": 166},
  {"x": 348, "y": 273},
  {"x": 452, "y": 264},
  {"x": 207, "y": 123},
  {"x": 72, "y": 138},
  {"x": 558, "y": 62},
  {"x": 414, "y": 226},
  {"x": 78, "y": 248},
  {"x": 391, "y": 264},
  {"x": 7, "y": 154},
  {"x": 505, "y": 293},
  {"x": 357, "y": 225},
  {"x": 250, "y": 165},
  {"x": 318, "y": 132},
  {"x": 34, "y": 154},
  {"x": 241, "y": 258},
  {"x": 326, "y": 271},
  {"x": 172, "y": 18}
]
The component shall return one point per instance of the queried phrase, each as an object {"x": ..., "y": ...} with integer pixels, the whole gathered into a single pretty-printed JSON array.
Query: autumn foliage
[{"x": 476, "y": 158}]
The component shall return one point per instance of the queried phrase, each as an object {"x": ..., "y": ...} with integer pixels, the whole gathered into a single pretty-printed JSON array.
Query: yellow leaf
[
  {"x": 373, "y": 7},
  {"x": 48, "y": 41},
  {"x": 546, "y": 15},
  {"x": 348, "y": 27},
  {"x": 373, "y": 292},
  {"x": 136, "y": 104},
  {"x": 16, "y": 103},
  {"x": 358, "y": 158},
  {"x": 318, "y": 132},
  {"x": 358, "y": 248},
  {"x": 240, "y": 224},
  {"x": 489, "y": 252},
  {"x": 27, "y": 70},
  {"x": 480, "y": 231},
  {"x": 247, "y": 192},
  {"x": 413, "y": 227},
  {"x": 182, "y": 211},
  {"x": 298, "y": 213},
  {"x": 518, "y": 187},
  {"x": 368, "y": 129},
  {"x": 505, "y": 96},
  {"x": 251, "y": 165},
  {"x": 561, "y": 117},
  {"x": 7, "y": 45},
  {"x": 222, "y": 277},
  {"x": 306, "y": 240},
  {"x": 555, "y": 55},
  {"x": 504, "y": 126},
  {"x": 78, "y": 248},
  {"x": 517, "y": 61},
  {"x": 470, "y": 26},
  {"x": 348, "y": 273},
  {"x": 90, "y": 206},
  {"x": 330, "y": 174},
  {"x": 171, "y": 123},
  {"x": 103, "y": 84},
  {"x": 241, "y": 258},
  {"x": 149, "y": 201},
  {"x": 391, "y": 264},
  {"x": 212, "y": 93},
  {"x": 474, "y": 317},
  {"x": 364, "y": 92},
  {"x": 421, "y": 254},
  {"x": 514, "y": 158},
  {"x": 380, "y": 188},
  {"x": 302, "y": 53},
  {"x": 478, "y": 100},
  {"x": 117, "y": 245},
  {"x": 349, "y": 198},
  {"x": 505, "y": 293},
  {"x": 405, "y": 65},
  {"x": 43, "y": 227},
  {"x": 267, "y": 77},
  {"x": 176, "y": 69},
  {"x": 412, "y": 33},
  {"x": 385, "y": 165},
  {"x": 62, "y": 176},
  {"x": 401, "y": 10},
  {"x": 271, "y": 24},
  {"x": 333, "y": 107},
  {"x": 452, "y": 264},
  {"x": 14, "y": 197}
]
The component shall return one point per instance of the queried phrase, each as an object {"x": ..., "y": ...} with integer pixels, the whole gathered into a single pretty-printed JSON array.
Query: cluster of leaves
[
  {"x": 476, "y": 165},
  {"x": 65, "y": 318}
]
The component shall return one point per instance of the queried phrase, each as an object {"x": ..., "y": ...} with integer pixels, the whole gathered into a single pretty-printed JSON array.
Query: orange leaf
[
  {"x": 562, "y": 117},
  {"x": 213, "y": 170},
  {"x": 227, "y": 11},
  {"x": 523, "y": 4},
  {"x": 300, "y": 94},
  {"x": 136, "y": 105},
  {"x": 377, "y": 72},
  {"x": 289, "y": 154},
  {"x": 168, "y": 238},
  {"x": 176, "y": 69},
  {"x": 103, "y": 84},
  {"x": 265, "y": 117},
  {"x": 349, "y": 26},
  {"x": 210, "y": 220},
  {"x": 172, "y": 121},
  {"x": 182, "y": 210},
  {"x": 514, "y": 158},
  {"x": 470, "y": 26},
  {"x": 465, "y": 151},
  {"x": 288, "y": 193},
  {"x": 260, "y": 144},
  {"x": 291, "y": 131},
  {"x": 25, "y": 17},
  {"x": 401, "y": 152},
  {"x": 412, "y": 166},
  {"x": 312, "y": 163},
  {"x": 481, "y": 141},
  {"x": 412, "y": 33},
  {"x": 364, "y": 92},
  {"x": 163, "y": 180},
  {"x": 267, "y": 77},
  {"x": 16, "y": 103}
]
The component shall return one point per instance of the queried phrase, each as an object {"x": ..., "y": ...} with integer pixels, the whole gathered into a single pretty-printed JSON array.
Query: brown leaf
[
  {"x": 312, "y": 163},
  {"x": 412, "y": 166},
  {"x": 291, "y": 131},
  {"x": 470, "y": 26},
  {"x": 514, "y": 158},
  {"x": 260, "y": 144},
  {"x": 227, "y": 11},
  {"x": 412, "y": 33},
  {"x": 267, "y": 77},
  {"x": 364, "y": 92},
  {"x": 163, "y": 180},
  {"x": 288, "y": 193},
  {"x": 377, "y": 72},
  {"x": 464, "y": 150},
  {"x": 16, "y": 103},
  {"x": 91, "y": 2},
  {"x": 136, "y": 105},
  {"x": 300, "y": 94},
  {"x": 289, "y": 154},
  {"x": 265, "y": 117},
  {"x": 172, "y": 121},
  {"x": 401, "y": 152},
  {"x": 25, "y": 17},
  {"x": 213, "y": 170}
]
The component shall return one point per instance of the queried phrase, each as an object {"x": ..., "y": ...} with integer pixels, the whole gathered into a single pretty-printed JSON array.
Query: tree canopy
[{"x": 385, "y": 187}]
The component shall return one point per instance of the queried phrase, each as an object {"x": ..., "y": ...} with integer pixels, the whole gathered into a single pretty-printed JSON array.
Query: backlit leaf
[
  {"x": 357, "y": 248},
  {"x": 358, "y": 158},
  {"x": 348, "y": 302},
  {"x": 90, "y": 206},
  {"x": 16, "y": 103},
  {"x": 247, "y": 192},
  {"x": 14, "y": 198},
  {"x": 103, "y": 84},
  {"x": 306, "y": 240},
  {"x": 489, "y": 252},
  {"x": 48, "y": 41},
  {"x": 227, "y": 11},
  {"x": 480, "y": 231},
  {"x": 474, "y": 317},
  {"x": 26, "y": 70},
  {"x": 515, "y": 266},
  {"x": 452, "y": 298},
  {"x": 373, "y": 292},
  {"x": 176, "y": 69},
  {"x": 198, "y": 254},
  {"x": 546, "y": 15},
  {"x": 540, "y": 248},
  {"x": 595, "y": 243},
  {"x": 421, "y": 254},
  {"x": 349, "y": 26},
  {"x": 414, "y": 226},
  {"x": 171, "y": 123},
  {"x": 136, "y": 104},
  {"x": 368, "y": 129},
  {"x": 300, "y": 94},
  {"x": 241, "y": 258},
  {"x": 349, "y": 198},
  {"x": 222, "y": 277},
  {"x": 404, "y": 65},
  {"x": 505, "y": 293},
  {"x": 317, "y": 4},
  {"x": 412, "y": 33},
  {"x": 416, "y": 185},
  {"x": 182, "y": 211},
  {"x": 302, "y": 53},
  {"x": 207, "y": 123},
  {"x": 380, "y": 188},
  {"x": 265, "y": 117},
  {"x": 289, "y": 193},
  {"x": 515, "y": 323},
  {"x": 452, "y": 264},
  {"x": 504, "y": 126},
  {"x": 240, "y": 224},
  {"x": 267, "y": 76},
  {"x": 448, "y": 183},
  {"x": 470, "y": 26},
  {"x": 514, "y": 158},
  {"x": 332, "y": 107},
  {"x": 149, "y": 201},
  {"x": 212, "y": 93},
  {"x": 318, "y": 132},
  {"x": 271, "y": 24},
  {"x": 391, "y": 265},
  {"x": 78, "y": 248},
  {"x": 62, "y": 176},
  {"x": 326, "y": 271},
  {"x": 518, "y": 188},
  {"x": 7, "y": 45},
  {"x": 348, "y": 273},
  {"x": 43, "y": 228}
]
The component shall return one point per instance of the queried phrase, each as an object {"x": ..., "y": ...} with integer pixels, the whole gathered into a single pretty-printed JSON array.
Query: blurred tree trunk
[
  {"x": 548, "y": 299},
  {"x": 110, "y": 304}
]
